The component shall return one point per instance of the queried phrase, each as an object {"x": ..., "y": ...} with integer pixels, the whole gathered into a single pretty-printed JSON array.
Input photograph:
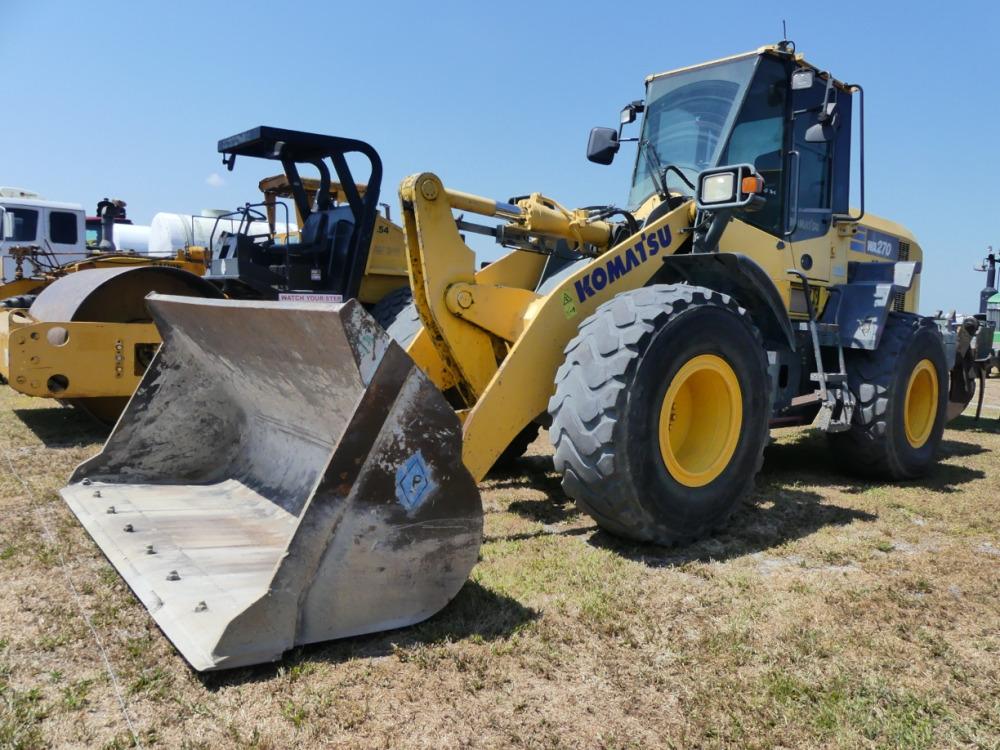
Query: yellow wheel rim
[
  {"x": 700, "y": 420},
  {"x": 920, "y": 404}
]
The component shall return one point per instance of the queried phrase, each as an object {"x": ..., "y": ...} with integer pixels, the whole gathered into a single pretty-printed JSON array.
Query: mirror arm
[
  {"x": 793, "y": 213},
  {"x": 861, "y": 152}
]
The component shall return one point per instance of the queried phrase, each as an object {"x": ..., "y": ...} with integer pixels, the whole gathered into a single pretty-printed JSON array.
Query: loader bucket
[{"x": 284, "y": 474}]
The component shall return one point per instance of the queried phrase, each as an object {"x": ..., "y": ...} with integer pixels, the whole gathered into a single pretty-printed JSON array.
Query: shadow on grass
[
  {"x": 783, "y": 507},
  {"x": 958, "y": 448},
  {"x": 474, "y": 612},
  {"x": 810, "y": 461},
  {"x": 780, "y": 514},
  {"x": 987, "y": 423},
  {"x": 536, "y": 473},
  {"x": 63, "y": 427}
]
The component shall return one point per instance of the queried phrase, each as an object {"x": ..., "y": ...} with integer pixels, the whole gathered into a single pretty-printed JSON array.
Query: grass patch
[{"x": 832, "y": 612}]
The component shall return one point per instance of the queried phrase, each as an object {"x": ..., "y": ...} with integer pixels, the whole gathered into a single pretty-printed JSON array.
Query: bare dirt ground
[{"x": 834, "y": 613}]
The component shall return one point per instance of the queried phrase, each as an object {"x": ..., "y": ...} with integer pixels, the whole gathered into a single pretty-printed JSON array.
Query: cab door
[
  {"x": 66, "y": 234},
  {"x": 816, "y": 183}
]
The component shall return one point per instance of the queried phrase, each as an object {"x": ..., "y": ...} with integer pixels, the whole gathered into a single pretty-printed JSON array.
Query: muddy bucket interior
[{"x": 283, "y": 475}]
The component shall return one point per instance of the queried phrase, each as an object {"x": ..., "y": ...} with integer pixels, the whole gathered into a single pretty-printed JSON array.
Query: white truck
[{"x": 59, "y": 229}]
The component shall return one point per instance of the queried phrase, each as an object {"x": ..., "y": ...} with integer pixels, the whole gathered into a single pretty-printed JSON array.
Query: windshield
[{"x": 688, "y": 116}]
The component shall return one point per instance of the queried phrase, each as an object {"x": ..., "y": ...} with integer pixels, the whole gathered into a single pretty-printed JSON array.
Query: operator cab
[
  {"x": 768, "y": 109},
  {"x": 329, "y": 258}
]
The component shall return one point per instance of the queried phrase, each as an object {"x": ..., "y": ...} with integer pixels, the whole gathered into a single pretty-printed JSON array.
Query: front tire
[
  {"x": 902, "y": 397},
  {"x": 660, "y": 414}
]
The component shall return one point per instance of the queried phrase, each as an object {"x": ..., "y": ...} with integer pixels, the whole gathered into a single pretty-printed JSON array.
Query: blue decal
[
  {"x": 414, "y": 482},
  {"x": 872, "y": 242},
  {"x": 622, "y": 263}
]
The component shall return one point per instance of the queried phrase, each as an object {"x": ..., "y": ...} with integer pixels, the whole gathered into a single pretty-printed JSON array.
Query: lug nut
[
  {"x": 128, "y": 527},
  {"x": 97, "y": 493},
  {"x": 200, "y": 607},
  {"x": 111, "y": 510},
  {"x": 86, "y": 482},
  {"x": 173, "y": 576},
  {"x": 150, "y": 550}
]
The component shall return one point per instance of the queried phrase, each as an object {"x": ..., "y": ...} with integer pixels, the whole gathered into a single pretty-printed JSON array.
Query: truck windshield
[{"x": 688, "y": 118}]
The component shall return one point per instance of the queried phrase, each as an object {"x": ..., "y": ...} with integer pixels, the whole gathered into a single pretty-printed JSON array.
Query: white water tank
[
  {"x": 131, "y": 238},
  {"x": 170, "y": 232}
]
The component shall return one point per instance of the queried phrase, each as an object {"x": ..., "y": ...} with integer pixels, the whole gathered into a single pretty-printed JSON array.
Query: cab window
[
  {"x": 812, "y": 166},
  {"x": 62, "y": 228},
  {"x": 25, "y": 224},
  {"x": 758, "y": 139}
]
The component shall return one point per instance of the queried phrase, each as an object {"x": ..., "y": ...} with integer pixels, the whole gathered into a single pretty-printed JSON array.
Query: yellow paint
[
  {"x": 700, "y": 420},
  {"x": 17, "y": 287},
  {"x": 497, "y": 309},
  {"x": 453, "y": 348},
  {"x": 438, "y": 258},
  {"x": 525, "y": 380},
  {"x": 73, "y": 360},
  {"x": 920, "y": 403}
]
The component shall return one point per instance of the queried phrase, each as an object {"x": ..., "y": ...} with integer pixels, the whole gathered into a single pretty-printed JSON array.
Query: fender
[
  {"x": 741, "y": 278},
  {"x": 861, "y": 307}
]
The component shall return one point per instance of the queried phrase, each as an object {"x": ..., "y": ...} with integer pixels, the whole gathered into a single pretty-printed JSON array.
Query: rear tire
[
  {"x": 902, "y": 397},
  {"x": 405, "y": 327},
  {"x": 21, "y": 302},
  {"x": 660, "y": 415},
  {"x": 391, "y": 305}
]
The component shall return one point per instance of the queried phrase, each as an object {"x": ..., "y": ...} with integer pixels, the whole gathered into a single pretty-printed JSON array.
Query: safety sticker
[
  {"x": 414, "y": 482},
  {"x": 569, "y": 307}
]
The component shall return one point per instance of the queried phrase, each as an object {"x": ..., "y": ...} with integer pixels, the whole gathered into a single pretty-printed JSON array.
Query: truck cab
[{"x": 26, "y": 219}]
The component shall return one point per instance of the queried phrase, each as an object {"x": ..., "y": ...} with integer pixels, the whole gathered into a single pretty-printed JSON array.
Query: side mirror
[
  {"x": 736, "y": 186},
  {"x": 825, "y": 129},
  {"x": 603, "y": 145}
]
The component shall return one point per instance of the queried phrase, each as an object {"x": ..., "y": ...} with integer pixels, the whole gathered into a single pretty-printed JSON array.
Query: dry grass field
[{"x": 833, "y": 613}]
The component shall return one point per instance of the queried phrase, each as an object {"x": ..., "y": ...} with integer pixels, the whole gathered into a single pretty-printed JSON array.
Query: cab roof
[{"x": 776, "y": 50}]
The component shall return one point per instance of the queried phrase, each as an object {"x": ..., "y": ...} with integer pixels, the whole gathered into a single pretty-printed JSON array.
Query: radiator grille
[{"x": 899, "y": 298}]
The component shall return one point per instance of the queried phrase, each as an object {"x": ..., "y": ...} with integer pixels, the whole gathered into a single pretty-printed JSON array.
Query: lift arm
[{"x": 490, "y": 333}]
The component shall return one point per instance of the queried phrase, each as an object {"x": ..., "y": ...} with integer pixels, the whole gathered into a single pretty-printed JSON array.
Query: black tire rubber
[
  {"x": 876, "y": 444},
  {"x": 391, "y": 305},
  {"x": 22, "y": 301},
  {"x": 518, "y": 446},
  {"x": 609, "y": 392},
  {"x": 405, "y": 326}
]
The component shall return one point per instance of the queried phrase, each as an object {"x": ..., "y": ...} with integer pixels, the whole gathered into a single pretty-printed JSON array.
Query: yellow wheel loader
[
  {"x": 87, "y": 337},
  {"x": 287, "y": 474}
]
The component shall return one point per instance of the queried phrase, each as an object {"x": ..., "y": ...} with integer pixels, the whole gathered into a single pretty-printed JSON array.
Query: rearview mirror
[{"x": 603, "y": 145}]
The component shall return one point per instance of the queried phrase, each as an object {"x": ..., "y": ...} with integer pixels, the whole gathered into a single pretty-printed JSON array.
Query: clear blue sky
[{"x": 128, "y": 99}]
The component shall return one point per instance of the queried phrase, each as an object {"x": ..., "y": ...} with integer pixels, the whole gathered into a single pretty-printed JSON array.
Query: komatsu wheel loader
[
  {"x": 289, "y": 474},
  {"x": 87, "y": 337}
]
